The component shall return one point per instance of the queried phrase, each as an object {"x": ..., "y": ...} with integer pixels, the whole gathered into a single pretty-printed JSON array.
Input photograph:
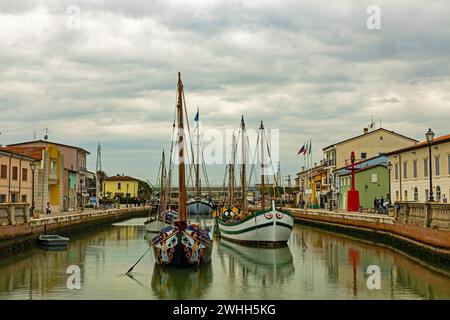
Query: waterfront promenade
[
  {"x": 425, "y": 233},
  {"x": 20, "y": 230}
]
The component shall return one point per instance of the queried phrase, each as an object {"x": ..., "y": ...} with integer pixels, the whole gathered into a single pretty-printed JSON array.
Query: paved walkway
[{"x": 44, "y": 216}]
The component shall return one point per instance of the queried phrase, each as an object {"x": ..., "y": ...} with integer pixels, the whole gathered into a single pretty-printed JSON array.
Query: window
[
  {"x": 396, "y": 171},
  {"x": 415, "y": 168},
  {"x": 448, "y": 162},
  {"x": 15, "y": 173},
  {"x": 396, "y": 195},
  {"x": 24, "y": 174},
  {"x": 374, "y": 178},
  {"x": 406, "y": 195},
  {"x": 14, "y": 197},
  {"x": 53, "y": 167},
  {"x": 405, "y": 169},
  {"x": 416, "y": 194},
  {"x": 425, "y": 167},
  {"x": 438, "y": 194},
  {"x": 426, "y": 195},
  {"x": 119, "y": 186},
  {"x": 363, "y": 155},
  {"x": 2, "y": 198},
  {"x": 24, "y": 198},
  {"x": 437, "y": 166},
  {"x": 4, "y": 171}
]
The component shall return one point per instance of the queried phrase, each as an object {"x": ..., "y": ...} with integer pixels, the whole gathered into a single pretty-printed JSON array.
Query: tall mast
[
  {"x": 197, "y": 164},
  {"x": 181, "y": 170},
  {"x": 243, "y": 176},
  {"x": 263, "y": 200},
  {"x": 231, "y": 183},
  {"x": 162, "y": 191}
]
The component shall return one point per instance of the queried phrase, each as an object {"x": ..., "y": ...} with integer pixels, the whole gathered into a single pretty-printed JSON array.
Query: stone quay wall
[{"x": 426, "y": 226}]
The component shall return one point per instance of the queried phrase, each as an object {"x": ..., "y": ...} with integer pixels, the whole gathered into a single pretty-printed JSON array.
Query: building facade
[
  {"x": 120, "y": 186},
  {"x": 410, "y": 176},
  {"x": 48, "y": 175},
  {"x": 372, "y": 182},
  {"x": 369, "y": 144},
  {"x": 74, "y": 175},
  {"x": 15, "y": 177}
]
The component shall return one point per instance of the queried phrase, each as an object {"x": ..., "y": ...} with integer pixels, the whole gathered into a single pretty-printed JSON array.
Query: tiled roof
[
  {"x": 33, "y": 152},
  {"x": 422, "y": 144},
  {"x": 47, "y": 142}
]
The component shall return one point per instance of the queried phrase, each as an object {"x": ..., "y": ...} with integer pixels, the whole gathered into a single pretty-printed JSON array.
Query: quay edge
[
  {"x": 14, "y": 238},
  {"x": 422, "y": 244}
]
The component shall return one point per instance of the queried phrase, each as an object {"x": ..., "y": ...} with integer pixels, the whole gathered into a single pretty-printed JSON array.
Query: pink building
[{"x": 74, "y": 175}]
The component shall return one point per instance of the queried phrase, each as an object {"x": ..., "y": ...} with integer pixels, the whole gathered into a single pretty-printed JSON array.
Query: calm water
[{"x": 316, "y": 265}]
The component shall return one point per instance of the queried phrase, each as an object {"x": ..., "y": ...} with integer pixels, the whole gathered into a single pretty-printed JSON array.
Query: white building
[{"x": 410, "y": 180}]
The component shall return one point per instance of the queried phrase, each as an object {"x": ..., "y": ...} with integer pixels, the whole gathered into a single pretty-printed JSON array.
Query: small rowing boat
[{"x": 53, "y": 240}]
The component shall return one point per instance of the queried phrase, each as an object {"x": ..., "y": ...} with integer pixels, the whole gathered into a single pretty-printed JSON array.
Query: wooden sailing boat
[
  {"x": 182, "y": 244},
  {"x": 163, "y": 217},
  {"x": 266, "y": 227},
  {"x": 199, "y": 206}
]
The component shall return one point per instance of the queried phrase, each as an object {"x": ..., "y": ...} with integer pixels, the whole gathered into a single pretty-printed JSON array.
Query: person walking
[{"x": 49, "y": 208}]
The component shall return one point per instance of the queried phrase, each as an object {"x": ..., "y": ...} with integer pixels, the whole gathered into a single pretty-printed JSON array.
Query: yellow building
[
  {"x": 410, "y": 178},
  {"x": 120, "y": 186},
  {"x": 48, "y": 175}
]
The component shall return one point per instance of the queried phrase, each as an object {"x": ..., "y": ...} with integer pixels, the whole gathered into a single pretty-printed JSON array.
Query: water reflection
[
  {"x": 185, "y": 283},
  {"x": 316, "y": 265},
  {"x": 269, "y": 265}
]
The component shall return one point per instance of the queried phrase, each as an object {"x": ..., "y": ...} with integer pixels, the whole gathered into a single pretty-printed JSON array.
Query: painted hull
[
  {"x": 188, "y": 247},
  {"x": 266, "y": 228},
  {"x": 202, "y": 207}
]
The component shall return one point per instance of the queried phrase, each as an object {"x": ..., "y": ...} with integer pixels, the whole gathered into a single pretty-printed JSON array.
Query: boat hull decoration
[
  {"x": 268, "y": 228},
  {"x": 182, "y": 246}
]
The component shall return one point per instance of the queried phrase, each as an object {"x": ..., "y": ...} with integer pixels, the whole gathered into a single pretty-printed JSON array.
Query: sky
[{"x": 106, "y": 71}]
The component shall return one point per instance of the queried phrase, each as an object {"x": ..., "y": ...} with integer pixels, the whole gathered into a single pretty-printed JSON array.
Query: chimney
[
  {"x": 366, "y": 130},
  {"x": 303, "y": 169}
]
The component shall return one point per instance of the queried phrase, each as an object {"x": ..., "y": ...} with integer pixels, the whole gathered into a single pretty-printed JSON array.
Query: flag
[
  {"x": 306, "y": 149},
  {"x": 302, "y": 149},
  {"x": 310, "y": 148},
  {"x": 197, "y": 116}
]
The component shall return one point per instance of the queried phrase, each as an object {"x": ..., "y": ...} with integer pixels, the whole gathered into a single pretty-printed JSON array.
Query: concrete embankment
[
  {"x": 430, "y": 244},
  {"x": 18, "y": 236}
]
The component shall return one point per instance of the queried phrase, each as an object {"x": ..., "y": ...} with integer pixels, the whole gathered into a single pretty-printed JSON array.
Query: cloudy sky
[{"x": 105, "y": 71}]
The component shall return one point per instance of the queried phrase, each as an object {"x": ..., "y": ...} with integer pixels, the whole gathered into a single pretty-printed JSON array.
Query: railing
[
  {"x": 14, "y": 213},
  {"x": 429, "y": 215}
]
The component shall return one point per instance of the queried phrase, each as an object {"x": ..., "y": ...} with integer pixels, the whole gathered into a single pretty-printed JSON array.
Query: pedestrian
[
  {"x": 375, "y": 203},
  {"x": 382, "y": 202},
  {"x": 49, "y": 208}
]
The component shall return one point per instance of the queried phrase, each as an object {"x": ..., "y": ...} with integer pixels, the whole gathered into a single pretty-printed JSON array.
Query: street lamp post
[
  {"x": 81, "y": 195},
  {"x": 430, "y": 137},
  {"x": 303, "y": 193},
  {"x": 389, "y": 168},
  {"x": 33, "y": 167}
]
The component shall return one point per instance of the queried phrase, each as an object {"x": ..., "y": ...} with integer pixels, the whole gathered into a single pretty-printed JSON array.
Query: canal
[{"x": 316, "y": 265}]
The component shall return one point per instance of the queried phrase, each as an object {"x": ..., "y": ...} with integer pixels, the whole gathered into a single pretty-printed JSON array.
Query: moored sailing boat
[
  {"x": 199, "y": 206},
  {"x": 266, "y": 227},
  {"x": 182, "y": 244},
  {"x": 162, "y": 218}
]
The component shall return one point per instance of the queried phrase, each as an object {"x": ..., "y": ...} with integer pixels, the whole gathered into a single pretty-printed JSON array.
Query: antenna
[
  {"x": 46, "y": 134},
  {"x": 372, "y": 123}
]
